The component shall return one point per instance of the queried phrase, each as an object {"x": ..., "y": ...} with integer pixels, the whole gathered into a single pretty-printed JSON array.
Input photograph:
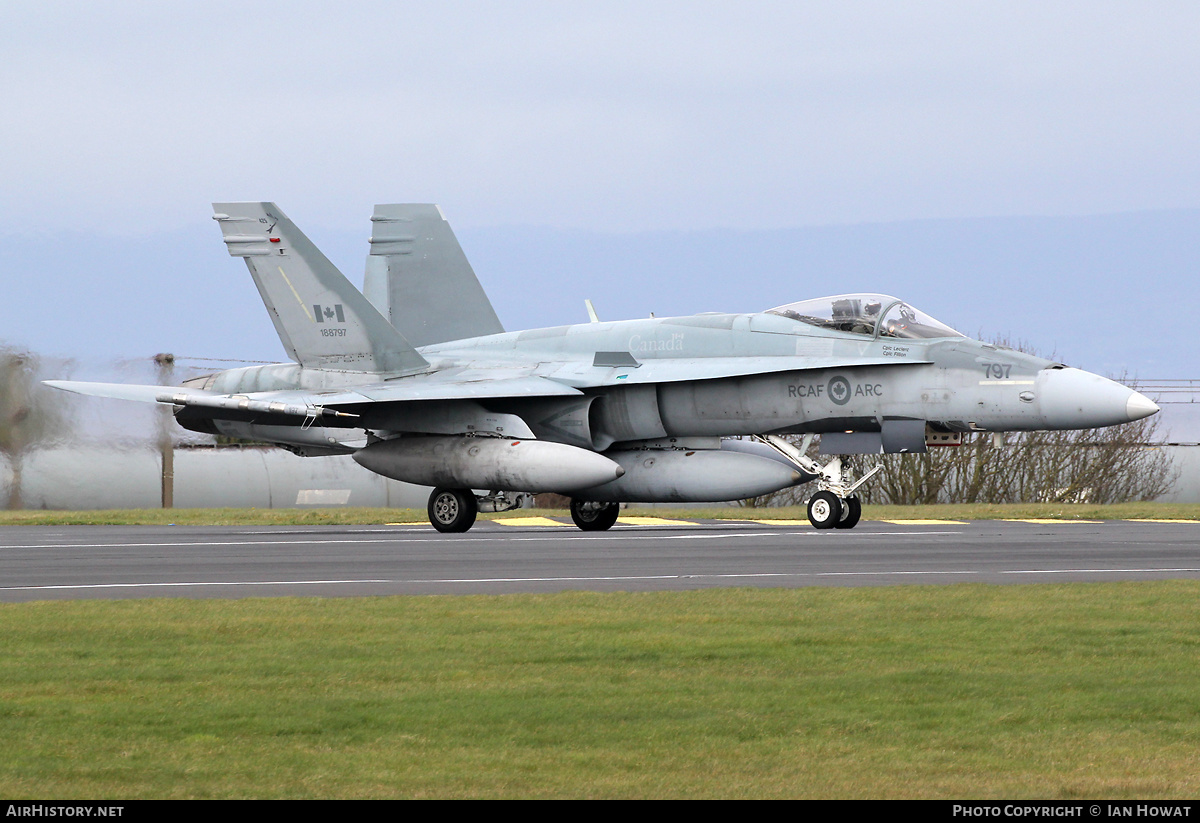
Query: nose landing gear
[
  {"x": 834, "y": 506},
  {"x": 827, "y": 511}
]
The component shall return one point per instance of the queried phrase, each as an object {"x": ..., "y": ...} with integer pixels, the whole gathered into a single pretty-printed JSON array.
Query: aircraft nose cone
[
  {"x": 1139, "y": 406},
  {"x": 1076, "y": 399}
]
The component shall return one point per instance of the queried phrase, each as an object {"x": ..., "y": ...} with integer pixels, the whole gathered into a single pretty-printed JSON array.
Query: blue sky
[{"x": 128, "y": 117}]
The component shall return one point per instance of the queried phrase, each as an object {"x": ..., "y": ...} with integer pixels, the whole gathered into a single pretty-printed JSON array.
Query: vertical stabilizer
[
  {"x": 322, "y": 320},
  {"x": 432, "y": 294},
  {"x": 375, "y": 285}
]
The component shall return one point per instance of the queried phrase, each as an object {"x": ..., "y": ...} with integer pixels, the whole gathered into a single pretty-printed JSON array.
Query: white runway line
[
  {"x": 508, "y": 538},
  {"x": 612, "y": 579}
]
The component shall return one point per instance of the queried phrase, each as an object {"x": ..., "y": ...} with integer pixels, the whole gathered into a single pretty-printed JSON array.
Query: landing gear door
[{"x": 904, "y": 436}]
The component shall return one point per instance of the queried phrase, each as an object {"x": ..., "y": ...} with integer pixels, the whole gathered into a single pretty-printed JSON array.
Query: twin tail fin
[
  {"x": 419, "y": 278},
  {"x": 323, "y": 321}
]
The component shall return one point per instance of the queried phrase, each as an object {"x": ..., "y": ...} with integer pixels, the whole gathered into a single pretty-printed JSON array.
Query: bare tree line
[
  {"x": 1113, "y": 465},
  {"x": 28, "y": 415}
]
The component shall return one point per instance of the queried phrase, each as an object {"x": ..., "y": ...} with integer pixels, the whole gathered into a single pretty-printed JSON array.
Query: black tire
[
  {"x": 452, "y": 510},
  {"x": 851, "y": 513},
  {"x": 594, "y": 517},
  {"x": 824, "y": 510}
]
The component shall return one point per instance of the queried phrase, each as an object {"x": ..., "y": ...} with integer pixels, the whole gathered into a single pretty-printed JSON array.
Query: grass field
[
  {"x": 972, "y": 691},
  {"x": 361, "y": 516}
]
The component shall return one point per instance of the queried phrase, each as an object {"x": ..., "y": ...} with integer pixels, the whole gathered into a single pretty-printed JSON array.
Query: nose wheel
[
  {"x": 828, "y": 511},
  {"x": 851, "y": 513},
  {"x": 824, "y": 510}
]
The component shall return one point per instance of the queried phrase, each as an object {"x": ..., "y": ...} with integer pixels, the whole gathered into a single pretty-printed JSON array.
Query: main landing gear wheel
[
  {"x": 824, "y": 510},
  {"x": 452, "y": 510},
  {"x": 851, "y": 512},
  {"x": 594, "y": 517}
]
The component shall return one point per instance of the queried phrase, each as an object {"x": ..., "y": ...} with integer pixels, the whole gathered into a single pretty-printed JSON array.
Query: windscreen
[{"x": 864, "y": 314}]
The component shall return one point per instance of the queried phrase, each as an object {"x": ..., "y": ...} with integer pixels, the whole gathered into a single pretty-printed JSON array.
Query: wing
[{"x": 441, "y": 403}]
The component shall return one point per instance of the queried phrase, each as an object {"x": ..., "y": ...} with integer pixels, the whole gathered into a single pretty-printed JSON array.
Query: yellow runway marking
[
  {"x": 925, "y": 522},
  {"x": 765, "y": 522},
  {"x": 527, "y": 521},
  {"x": 1154, "y": 520},
  {"x": 1049, "y": 521},
  {"x": 652, "y": 521}
]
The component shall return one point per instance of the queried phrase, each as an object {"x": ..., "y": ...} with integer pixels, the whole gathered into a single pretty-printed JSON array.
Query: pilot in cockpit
[{"x": 865, "y": 322}]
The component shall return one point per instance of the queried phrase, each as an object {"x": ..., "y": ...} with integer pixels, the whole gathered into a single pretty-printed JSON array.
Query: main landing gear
[
  {"x": 594, "y": 517},
  {"x": 452, "y": 510},
  {"x": 834, "y": 506}
]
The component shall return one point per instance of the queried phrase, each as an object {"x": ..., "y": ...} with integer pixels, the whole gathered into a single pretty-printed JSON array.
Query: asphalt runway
[{"x": 539, "y": 555}]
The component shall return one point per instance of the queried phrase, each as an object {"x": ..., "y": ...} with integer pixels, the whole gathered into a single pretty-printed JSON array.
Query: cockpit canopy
[{"x": 875, "y": 315}]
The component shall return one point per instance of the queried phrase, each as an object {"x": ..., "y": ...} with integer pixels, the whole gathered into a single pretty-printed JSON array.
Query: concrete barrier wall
[
  {"x": 265, "y": 477},
  {"x": 1187, "y": 487},
  {"x": 99, "y": 478}
]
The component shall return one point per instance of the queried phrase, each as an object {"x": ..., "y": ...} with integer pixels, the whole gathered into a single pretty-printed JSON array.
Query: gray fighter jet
[{"x": 422, "y": 384}]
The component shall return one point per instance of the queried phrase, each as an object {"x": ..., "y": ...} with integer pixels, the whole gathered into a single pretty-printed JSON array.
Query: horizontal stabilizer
[
  {"x": 180, "y": 396},
  {"x": 121, "y": 391}
]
